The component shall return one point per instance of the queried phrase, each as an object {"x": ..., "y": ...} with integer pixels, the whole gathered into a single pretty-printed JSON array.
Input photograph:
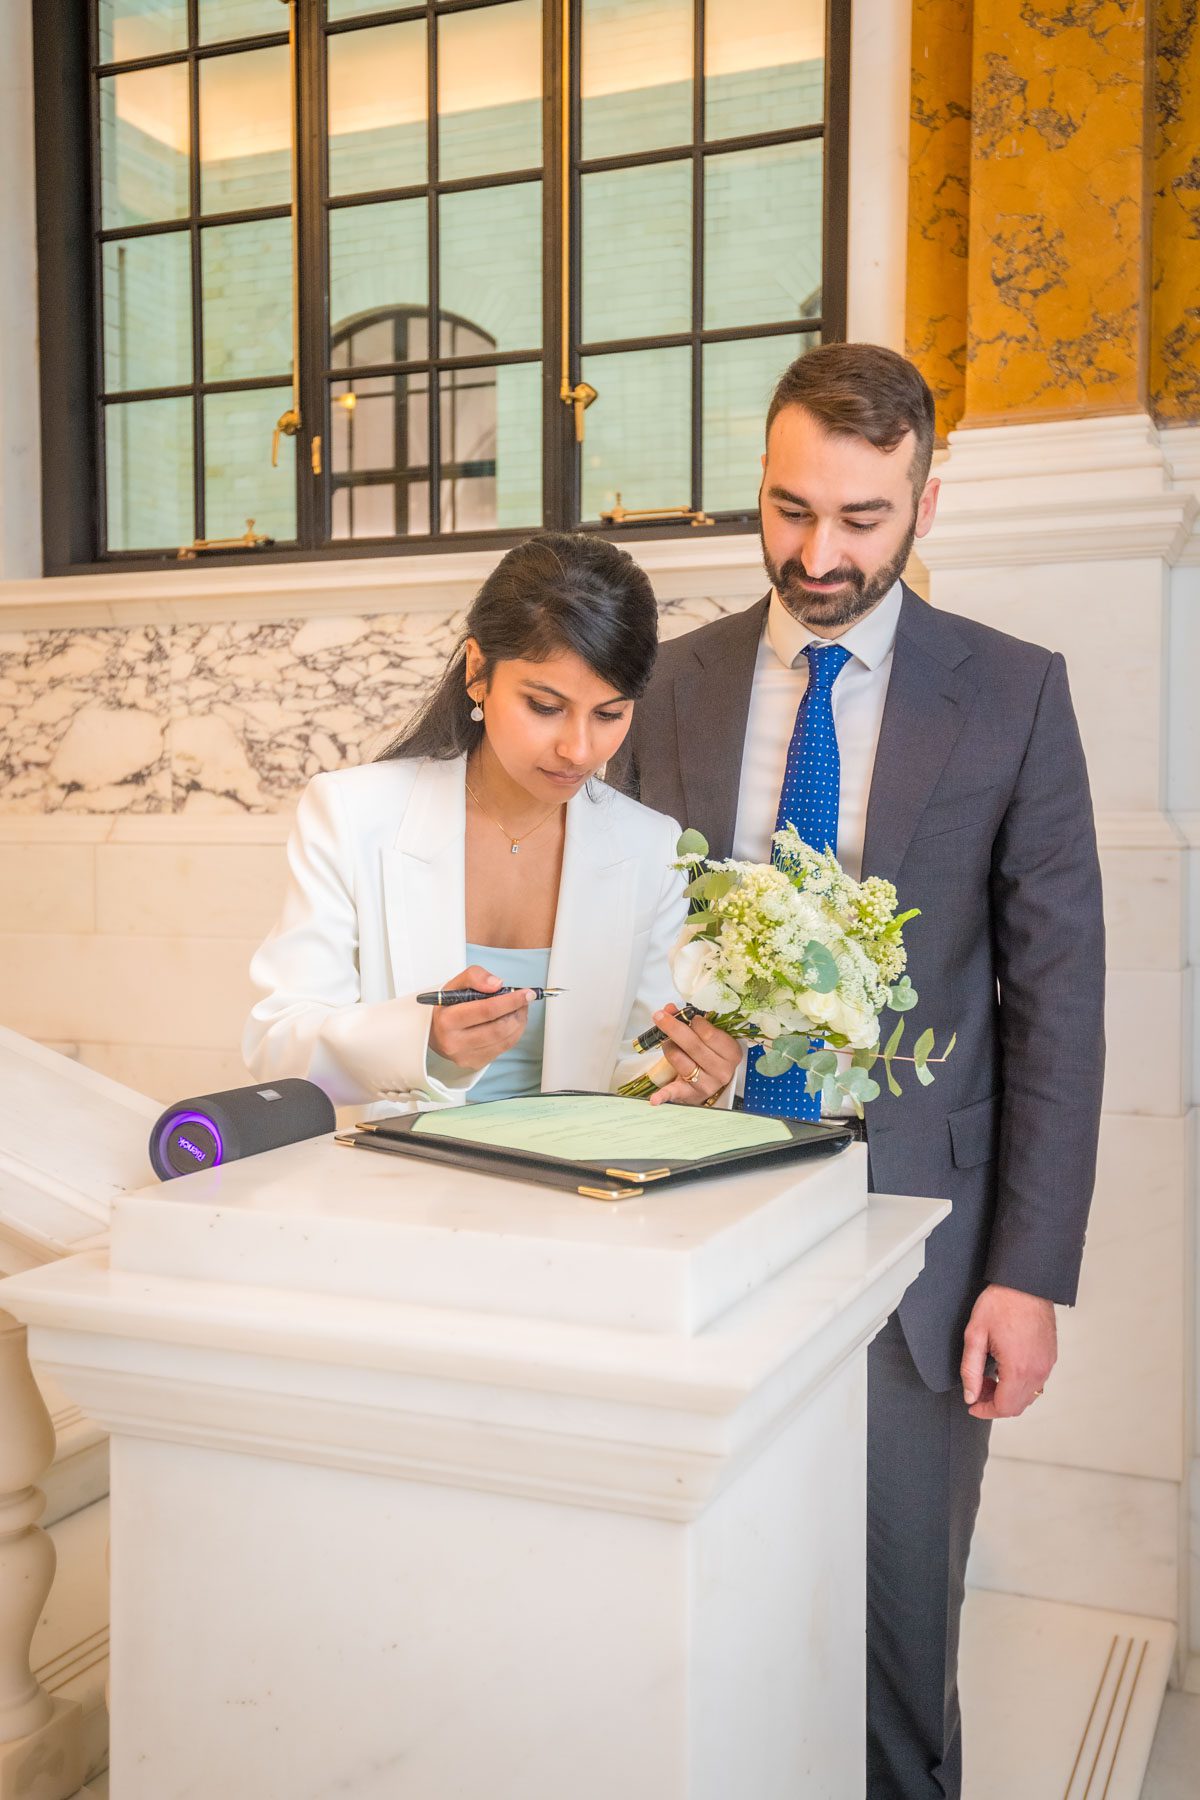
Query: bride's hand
[
  {"x": 705, "y": 1059},
  {"x": 477, "y": 1032}
]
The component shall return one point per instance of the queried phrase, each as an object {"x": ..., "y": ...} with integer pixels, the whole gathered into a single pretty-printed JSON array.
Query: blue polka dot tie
[{"x": 809, "y": 801}]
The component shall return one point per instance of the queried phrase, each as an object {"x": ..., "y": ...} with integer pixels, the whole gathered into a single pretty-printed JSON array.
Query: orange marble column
[
  {"x": 1059, "y": 213},
  {"x": 939, "y": 172},
  {"x": 1175, "y": 296}
]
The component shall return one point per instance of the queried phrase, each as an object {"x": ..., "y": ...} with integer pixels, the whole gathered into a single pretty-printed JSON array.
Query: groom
[{"x": 944, "y": 756}]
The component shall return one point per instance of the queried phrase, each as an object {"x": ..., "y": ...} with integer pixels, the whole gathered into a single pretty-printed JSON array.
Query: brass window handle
[
  {"x": 286, "y": 425},
  {"x": 618, "y": 514},
  {"x": 580, "y": 398}
]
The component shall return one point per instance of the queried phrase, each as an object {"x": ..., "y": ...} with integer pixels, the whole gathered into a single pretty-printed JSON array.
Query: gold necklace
[{"x": 514, "y": 843}]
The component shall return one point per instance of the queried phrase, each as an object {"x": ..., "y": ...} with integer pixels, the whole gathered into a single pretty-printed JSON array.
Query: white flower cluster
[{"x": 747, "y": 958}]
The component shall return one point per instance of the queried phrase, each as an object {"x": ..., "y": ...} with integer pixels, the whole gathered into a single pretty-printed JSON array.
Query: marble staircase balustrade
[{"x": 70, "y": 1141}]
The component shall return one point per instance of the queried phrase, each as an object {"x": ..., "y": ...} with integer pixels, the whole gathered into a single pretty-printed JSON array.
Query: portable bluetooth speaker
[{"x": 219, "y": 1128}]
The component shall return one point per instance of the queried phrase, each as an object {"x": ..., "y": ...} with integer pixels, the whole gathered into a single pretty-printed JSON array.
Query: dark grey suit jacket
[{"x": 980, "y": 813}]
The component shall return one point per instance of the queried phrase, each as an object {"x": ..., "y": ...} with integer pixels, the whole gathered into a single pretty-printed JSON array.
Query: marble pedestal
[{"x": 426, "y": 1486}]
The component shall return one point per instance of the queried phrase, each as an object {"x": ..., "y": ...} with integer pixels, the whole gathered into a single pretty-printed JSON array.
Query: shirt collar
[{"x": 870, "y": 640}]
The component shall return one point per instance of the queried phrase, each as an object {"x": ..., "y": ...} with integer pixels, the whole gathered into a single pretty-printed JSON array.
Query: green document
[{"x": 603, "y": 1128}]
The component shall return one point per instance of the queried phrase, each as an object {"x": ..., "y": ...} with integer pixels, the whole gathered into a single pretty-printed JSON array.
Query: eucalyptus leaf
[
  {"x": 692, "y": 843},
  {"x": 893, "y": 1085},
  {"x": 823, "y": 1061},
  {"x": 924, "y": 1074},
  {"x": 819, "y": 970},
  {"x": 866, "y": 1059},
  {"x": 769, "y": 1063},
  {"x": 794, "y": 1044},
  {"x": 903, "y": 996},
  {"x": 923, "y": 1048}
]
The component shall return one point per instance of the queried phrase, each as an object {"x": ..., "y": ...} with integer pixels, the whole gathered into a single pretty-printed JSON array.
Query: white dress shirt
[{"x": 780, "y": 680}]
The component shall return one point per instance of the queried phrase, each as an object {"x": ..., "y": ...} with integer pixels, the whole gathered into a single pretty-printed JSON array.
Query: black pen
[{"x": 456, "y": 996}]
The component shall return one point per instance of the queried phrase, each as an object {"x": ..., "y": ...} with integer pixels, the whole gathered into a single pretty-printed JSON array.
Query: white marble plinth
[{"x": 431, "y": 1486}]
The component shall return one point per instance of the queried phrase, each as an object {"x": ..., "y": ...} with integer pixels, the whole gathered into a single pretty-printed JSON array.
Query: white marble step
[
  {"x": 78, "y": 1476},
  {"x": 1058, "y": 1701},
  {"x": 70, "y": 1644}
]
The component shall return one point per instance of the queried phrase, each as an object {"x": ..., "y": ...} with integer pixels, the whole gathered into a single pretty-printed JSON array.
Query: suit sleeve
[
  {"x": 310, "y": 1020},
  {"x": 1049, "y": 938}
]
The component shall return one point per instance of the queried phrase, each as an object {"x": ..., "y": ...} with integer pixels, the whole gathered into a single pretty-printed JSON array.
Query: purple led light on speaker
[{"x": 177, "y": 1122}]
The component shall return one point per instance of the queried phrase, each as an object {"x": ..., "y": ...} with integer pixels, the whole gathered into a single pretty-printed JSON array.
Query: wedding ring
[
  {"x": 1038, "y": 1392},
  {"x": 694, "y": 1076}
]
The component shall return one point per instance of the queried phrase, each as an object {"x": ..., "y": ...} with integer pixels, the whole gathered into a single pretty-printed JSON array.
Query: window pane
[
  {"x": 222, "y": 20},
  {"x": 144, "y": 146},
  {"x": 637, "y": 252},
  {"x": 247, "y": 288},
  {"x": 130, "y": 28},
  {"x": 379, "y": 427},
  {"x": 239, "y": 482},
  {"x": 762, "y": 235},
  {"x": 491, "y": 448},
  {"x": 378, "y": 108},
  {"x": 739, "y": 379},
  {"x": 380, "y": 422},
  {"x": 764, "y": 65},
  {"x": 519, "y": 445},
  {"x": 490, "y": 90},
  {"x": 638, "y": 440},
  {"x": 354, "y": 9},
  {"x": 246, "y": 130},
  {"x": 148, "y": 312},
  {"x": 491, "y": 262},
  {"x": 378, "y": 259},
  {"x": 148, "y": 462},
  {"x": 636, "y": 75}
]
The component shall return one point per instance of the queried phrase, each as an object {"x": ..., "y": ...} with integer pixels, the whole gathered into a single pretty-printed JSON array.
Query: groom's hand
[{"x": 1019, "y": 1332}]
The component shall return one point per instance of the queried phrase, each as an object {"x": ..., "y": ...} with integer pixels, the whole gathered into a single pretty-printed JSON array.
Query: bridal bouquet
[{"x": 786, "y": 952}]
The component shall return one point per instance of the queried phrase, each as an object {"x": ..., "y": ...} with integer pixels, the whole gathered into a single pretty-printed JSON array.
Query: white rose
[{"x": 692, "y": 963}]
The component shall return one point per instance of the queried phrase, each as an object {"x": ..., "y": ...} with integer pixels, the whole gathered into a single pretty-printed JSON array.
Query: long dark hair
[{"x": 553, "y": 592}]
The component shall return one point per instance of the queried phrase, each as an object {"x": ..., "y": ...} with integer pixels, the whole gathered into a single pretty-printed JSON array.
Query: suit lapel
[
  {"x": 929, "y": 694},
  {"x": 424, "y": 881},
  {"x": 712, "y": 705},
  {"x": 593, "y": 941}
]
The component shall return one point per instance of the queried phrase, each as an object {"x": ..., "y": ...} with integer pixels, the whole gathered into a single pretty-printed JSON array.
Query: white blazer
[{"x": 375, "y": 911}]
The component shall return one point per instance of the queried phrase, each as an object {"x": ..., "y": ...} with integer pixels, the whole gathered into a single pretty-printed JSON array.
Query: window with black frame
[{"x": 634, "y": 204}]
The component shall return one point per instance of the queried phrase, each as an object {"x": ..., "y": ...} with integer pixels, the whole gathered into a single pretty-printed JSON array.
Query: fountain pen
[{"x": 456, "y": 996}]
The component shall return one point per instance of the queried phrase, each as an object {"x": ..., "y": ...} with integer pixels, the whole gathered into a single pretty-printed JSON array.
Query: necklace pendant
[{"x": 514, "y": 849}]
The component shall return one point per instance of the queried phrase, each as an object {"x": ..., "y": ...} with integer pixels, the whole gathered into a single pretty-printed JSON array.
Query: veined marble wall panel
[
  {"x": 939, "y": 175},
  {"x": 1174, "y": 308},
  {"x": 227, "y": 718},
  {"x": 83, "y": 721},
  {"x": 1058, "y": 210}
]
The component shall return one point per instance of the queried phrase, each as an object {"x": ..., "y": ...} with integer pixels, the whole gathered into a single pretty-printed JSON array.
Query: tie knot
[{"x": 825, "y": 663}]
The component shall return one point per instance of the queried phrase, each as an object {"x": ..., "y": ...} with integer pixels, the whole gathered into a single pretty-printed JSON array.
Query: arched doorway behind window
[{"x": 379, "y": 428}]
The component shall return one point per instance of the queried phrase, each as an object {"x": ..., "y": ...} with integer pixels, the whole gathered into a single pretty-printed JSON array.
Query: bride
[{"x": 482, "y": 851}]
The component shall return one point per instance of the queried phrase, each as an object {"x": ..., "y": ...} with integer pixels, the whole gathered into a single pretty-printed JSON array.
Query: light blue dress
[{"x": 519, "y": 1070}]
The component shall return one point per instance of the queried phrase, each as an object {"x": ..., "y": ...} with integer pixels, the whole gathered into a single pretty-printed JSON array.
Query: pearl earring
[{"x": 477, "y": 713}]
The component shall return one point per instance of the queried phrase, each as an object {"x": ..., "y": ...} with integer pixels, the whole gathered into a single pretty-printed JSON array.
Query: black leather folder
[{"x": 596, "y": 1179}]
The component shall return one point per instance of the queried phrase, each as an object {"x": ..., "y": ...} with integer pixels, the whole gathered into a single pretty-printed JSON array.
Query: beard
[{"x": 851, "y": 592}]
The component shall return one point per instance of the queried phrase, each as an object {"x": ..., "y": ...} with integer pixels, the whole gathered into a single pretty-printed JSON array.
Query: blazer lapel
[
  {"x": 593, "y": 941},
  {"x": 929, "y": 694},
  {"x": 424, "y": 881},
  {"x": 712, "y": 705}
]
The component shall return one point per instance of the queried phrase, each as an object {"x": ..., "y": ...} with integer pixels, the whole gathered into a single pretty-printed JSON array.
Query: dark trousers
[{"x": 925, "y": 1459}]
